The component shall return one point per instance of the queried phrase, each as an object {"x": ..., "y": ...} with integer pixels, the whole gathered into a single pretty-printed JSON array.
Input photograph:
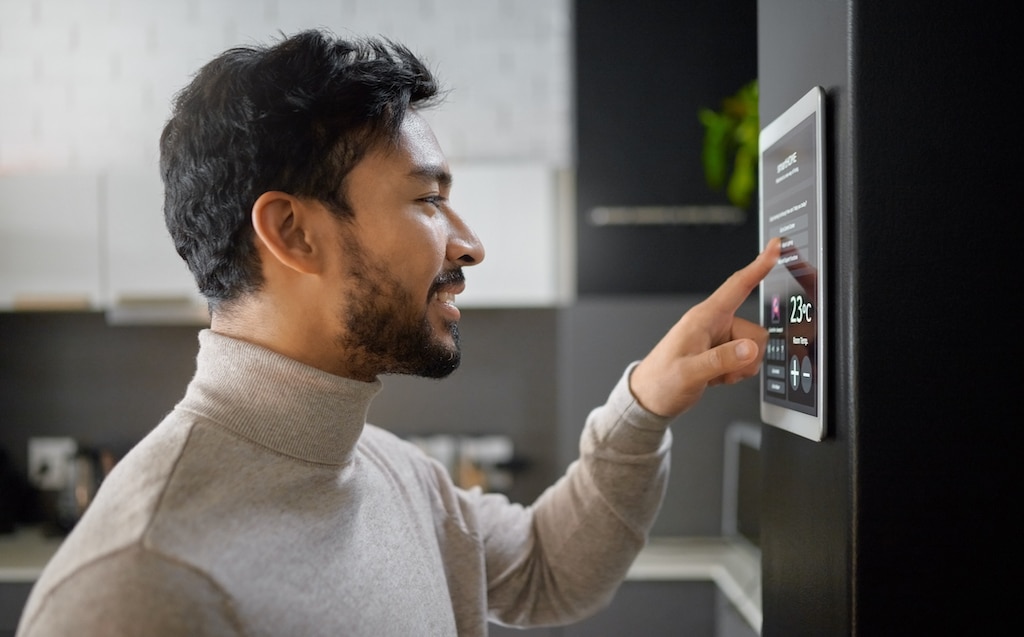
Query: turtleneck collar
[{"x": 277, "y": 402}]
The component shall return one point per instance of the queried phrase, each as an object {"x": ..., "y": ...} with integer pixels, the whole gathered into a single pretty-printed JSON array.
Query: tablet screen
[{"x": 792, "y": 296}]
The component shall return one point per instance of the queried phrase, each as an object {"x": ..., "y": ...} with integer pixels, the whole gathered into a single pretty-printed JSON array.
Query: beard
[{"x": 388, "y": 331}]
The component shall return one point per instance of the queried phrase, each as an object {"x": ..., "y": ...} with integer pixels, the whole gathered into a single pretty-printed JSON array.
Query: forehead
[{"x": 416, "y": 145}]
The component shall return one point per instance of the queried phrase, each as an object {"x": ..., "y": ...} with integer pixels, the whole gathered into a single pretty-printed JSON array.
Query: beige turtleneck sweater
[{"x": 263, "y": 504}]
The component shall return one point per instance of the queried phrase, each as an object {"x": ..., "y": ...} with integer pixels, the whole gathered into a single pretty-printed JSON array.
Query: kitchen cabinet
[
  {"x": 146, "y": 281},
  {"x": 647, "y": 223},
  {"x": 652, "y": 609},
  {"x": 85, "y": 240},
  {"x": 517, "y": 208},
  {"x": 98, "y": 241},
  {"x": 49, "y": 240},
  {"x": 13, "y": 596}
]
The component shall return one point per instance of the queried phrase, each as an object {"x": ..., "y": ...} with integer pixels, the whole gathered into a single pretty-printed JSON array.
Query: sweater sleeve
[
  {"x": 132, "y": 592},
  {"x": 563, "y": 558}
]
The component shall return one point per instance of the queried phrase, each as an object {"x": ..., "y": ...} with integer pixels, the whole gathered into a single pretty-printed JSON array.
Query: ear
[{"x": 283, "y": 225}]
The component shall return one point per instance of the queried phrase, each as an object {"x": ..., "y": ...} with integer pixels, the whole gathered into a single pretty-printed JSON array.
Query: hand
[{"x": 708, "y": 346}]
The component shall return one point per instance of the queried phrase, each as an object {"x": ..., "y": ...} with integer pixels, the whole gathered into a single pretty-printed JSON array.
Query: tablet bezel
[{"x": 810, "y": 424}]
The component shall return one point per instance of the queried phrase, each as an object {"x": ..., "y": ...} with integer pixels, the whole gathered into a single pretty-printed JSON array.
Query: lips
[{"x": 447, "y": 286}]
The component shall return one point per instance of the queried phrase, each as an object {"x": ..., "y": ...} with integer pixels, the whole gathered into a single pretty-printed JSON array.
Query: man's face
[{"x": 401, "y": 257}]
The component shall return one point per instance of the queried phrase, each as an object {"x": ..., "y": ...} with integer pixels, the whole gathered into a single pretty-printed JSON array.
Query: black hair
[{"x": 295, "y": 116}]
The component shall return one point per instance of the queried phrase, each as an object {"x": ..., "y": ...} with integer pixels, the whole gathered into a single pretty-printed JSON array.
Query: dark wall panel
[
  {"x": 936, "y": 185},
  {"x": 889, "y": 525},
  {"x": 806, "y": 531}
]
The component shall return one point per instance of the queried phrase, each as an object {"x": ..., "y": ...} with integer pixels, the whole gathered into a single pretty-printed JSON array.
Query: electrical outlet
[{"x": 50, "y": 461}]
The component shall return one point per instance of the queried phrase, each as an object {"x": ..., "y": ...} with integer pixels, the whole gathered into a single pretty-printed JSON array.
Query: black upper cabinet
[{"x": 646, "y": 218}]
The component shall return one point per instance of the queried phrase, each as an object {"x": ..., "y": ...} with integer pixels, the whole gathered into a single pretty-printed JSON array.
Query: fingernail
[{"x": 743, "y": 350}]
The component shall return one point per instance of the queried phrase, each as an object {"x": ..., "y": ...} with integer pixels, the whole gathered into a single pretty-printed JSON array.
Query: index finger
[{"x": 734, "y": 291}]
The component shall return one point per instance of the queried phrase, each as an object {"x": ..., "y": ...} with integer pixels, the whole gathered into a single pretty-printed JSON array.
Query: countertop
[
  {"x": 734, "y": 565},
  {"x": 24, "y": 553}
]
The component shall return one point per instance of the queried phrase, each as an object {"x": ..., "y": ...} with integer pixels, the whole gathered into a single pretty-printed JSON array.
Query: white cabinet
[
  {"x": 49, "y": 241},
  {"x": 145, "y": 279},
  {"x": 90, "y": 241},
  {"x": 514, "y": 206},
  {"x": 518, "y": 209},
  {"x": 98, "y": 241}
]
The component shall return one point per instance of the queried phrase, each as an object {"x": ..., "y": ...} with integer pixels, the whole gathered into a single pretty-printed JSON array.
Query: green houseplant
[{"x": 729, "y": 153}]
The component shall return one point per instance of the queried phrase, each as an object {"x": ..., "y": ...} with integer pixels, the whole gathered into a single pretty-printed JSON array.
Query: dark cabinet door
[
  {"x": 646, "y": 220},
  {"x": 13, "y": 596},
  {"x": 654, "y": 609}
]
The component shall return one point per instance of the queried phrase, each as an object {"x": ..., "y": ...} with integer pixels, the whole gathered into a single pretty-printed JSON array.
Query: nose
[{"x": 464, "y": 247}]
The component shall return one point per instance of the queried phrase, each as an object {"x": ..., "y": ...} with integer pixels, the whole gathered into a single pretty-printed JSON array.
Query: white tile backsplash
[{"x": 86, "y": 85}]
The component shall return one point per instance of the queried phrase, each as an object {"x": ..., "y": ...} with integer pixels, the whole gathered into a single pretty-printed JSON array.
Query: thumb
[{"x": 728, "y": 362}]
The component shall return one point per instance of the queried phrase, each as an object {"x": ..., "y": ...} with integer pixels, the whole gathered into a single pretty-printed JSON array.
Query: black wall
[
  {"x": 892, "y": 525},
  {"x": 644, "y": 69}
]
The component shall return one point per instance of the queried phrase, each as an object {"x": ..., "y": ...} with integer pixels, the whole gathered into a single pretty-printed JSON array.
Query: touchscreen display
[{"x": 792, "y": 295}]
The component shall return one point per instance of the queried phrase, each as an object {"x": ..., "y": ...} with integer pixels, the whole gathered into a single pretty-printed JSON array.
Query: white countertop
[
  {"x": 734, "y": 565},
  {"x": 24, "y": 553}
]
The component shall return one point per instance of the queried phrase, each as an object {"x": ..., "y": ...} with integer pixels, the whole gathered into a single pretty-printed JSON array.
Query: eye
[{"x": 435, "y": 200}]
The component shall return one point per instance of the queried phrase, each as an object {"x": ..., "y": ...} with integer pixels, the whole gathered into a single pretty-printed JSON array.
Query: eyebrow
[{"x": 432, "y": 172}]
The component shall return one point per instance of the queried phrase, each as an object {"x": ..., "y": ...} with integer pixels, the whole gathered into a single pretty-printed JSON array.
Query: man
[{"x": 311, "y": 201}]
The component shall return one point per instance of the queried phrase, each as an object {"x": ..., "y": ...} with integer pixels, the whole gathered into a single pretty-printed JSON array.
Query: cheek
[
  {"x": 415, "y": 257},
  {"x": 422, "y": 240},
  {"x": 421, "y": 271}
]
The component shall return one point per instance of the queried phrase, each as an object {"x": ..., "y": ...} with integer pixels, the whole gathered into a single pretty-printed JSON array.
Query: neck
[{"x": 297, "y": 337}]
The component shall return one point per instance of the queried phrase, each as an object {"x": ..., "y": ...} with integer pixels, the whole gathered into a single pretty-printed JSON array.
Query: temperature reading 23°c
[{"x": 800, "y": 311}]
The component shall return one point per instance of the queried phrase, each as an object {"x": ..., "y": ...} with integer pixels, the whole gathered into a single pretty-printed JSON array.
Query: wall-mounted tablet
[{"x": 793, "y": 296}]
